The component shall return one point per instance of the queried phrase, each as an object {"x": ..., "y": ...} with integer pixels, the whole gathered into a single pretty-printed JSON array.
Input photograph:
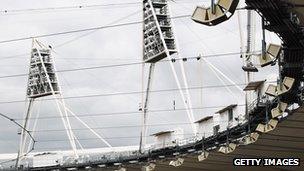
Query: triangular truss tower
[
  {"x": 43, "y": 82},
  {"x": 159, "y": 43},
  {"x": 158, "y": 34}
]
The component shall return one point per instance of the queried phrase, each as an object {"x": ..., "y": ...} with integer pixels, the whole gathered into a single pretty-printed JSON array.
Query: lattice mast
[
  {"x": 249, "y": 67},
  {"x": 158, "y": 34},
  {"x": 158, "y": 43},
  {"x": 43, "y": 82}
]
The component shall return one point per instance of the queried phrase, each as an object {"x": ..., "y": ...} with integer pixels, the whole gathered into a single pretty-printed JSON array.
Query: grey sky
[{"x": 112, "y": 46}]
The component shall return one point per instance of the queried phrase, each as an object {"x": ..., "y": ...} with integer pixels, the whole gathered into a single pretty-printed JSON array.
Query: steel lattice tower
[
  {"x": 158, "y": 43},
  {"x": 158, "y": 34},
  {"x": 42, "y": 82},
  {"x": 42, "y": 79}
]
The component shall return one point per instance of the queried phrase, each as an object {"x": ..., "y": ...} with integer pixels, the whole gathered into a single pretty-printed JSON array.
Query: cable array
[
  {"x": 77, "y": 7},
  {"x": 89, "y": 31},
  {"x": 130, "y": 93},
  {"x": 130, "y": 64},
  {"x": 82, "y": 30},
  {"x": 157, "y": 111}
]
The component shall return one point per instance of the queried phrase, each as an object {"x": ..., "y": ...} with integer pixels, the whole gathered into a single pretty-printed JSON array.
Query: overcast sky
[{"x": 113, "y": 46}]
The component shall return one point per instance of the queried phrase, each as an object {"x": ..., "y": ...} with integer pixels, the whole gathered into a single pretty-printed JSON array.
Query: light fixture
[
  {"x": 133, "y": 161},
  {"x": 279, "y": 110},
  {"x": 229, "y": 148},
  {"x": 176, "y": 154},
  {"x": 191, "y": 150},
  {"x": 286, "y": 85},
  {"x": 203, "y": 156},
  {"x": 250, "y": 68},
  {"x": 102, "y": 165},
  {"x": 161, "y": 157},
  {"x": 176, "y": 163},
  {"x": 281, "y": 89},
  {"x": 216, "y": 14},
  {"x": 272, "y": 53},
  {"x": 121, "y": 169},
  {"x": 150, "y": 167},
  {"x": 117, "y": 164},
  {"x": 250, "y": 138},
  {"x": 270, "y": 126},
  {"x": 271, "y": 90},
  {"x": 88, "y": 167}
]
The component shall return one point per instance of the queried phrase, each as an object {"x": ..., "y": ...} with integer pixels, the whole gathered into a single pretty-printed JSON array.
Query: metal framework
[
  {"x": 158, "y": 34},
  {"x": 158, "y": 43},
  {"x": 43, "y": 82},
  {"x": 281, "y": 19},
  {"x": 291, "y": 64},
  {"x": 215, "y": 14}
]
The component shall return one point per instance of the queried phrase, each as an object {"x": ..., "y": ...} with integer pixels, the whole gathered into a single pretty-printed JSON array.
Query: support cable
[
  {"x": 130, "y": 112},
  {"x": 124, "y": 64},
  {"x": 23, "y": 136},
  {"x": 223, "y": 82},
  {"x": 185, "y": 80},
  {"x": 86, "y": 125},
  {"x": 82, "y": 30},
  {"x": 19, "y": 125},
  {"x": 224, "y": 75},
  {"x": 91, "y": 32},
  {"x": 65, "y": 119},
  {"x": 135, "y": 92},
  {"x": 34, "y": 127},
  {"x": 116, "y": 127},
  {"x": 25, "y": 130}
]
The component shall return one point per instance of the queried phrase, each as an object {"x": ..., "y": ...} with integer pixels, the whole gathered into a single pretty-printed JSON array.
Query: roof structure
[
  {"x": 204, "y": 119},
  {"x": 161, "y": 133},
  {"x": 276, "y": 144},
  {"x": 253, "y": 85},
  {"x": 297, "y": 7},
  {"x": 226, "y": 108}
]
